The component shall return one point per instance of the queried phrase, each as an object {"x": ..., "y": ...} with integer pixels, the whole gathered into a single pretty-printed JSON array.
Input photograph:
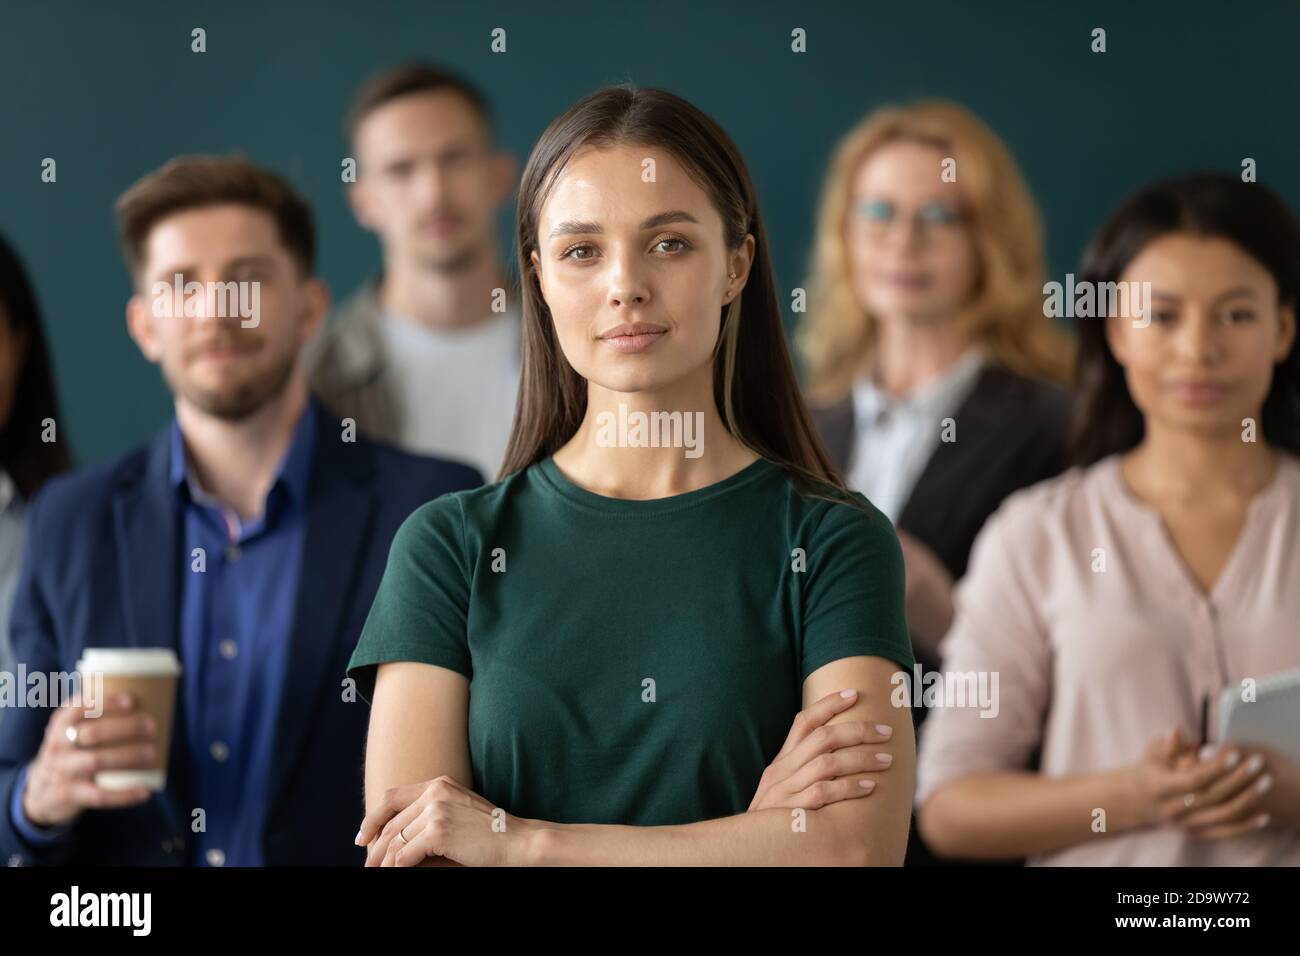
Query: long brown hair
[{"x": 754, "y": 383}]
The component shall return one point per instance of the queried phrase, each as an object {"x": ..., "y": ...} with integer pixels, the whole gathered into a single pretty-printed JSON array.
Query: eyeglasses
[{"x": 936, "y": 218}]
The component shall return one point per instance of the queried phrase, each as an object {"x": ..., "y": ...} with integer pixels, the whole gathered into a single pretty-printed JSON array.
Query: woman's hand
[
  {"x": 1170, "y": 783},
  {"x": 809, "y": 771},
  {"x": 440, "y": 818},
  {"x": 1260, "y": 791}
]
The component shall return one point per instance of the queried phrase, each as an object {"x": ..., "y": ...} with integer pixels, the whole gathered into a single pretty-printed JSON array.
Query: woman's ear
[
  {"x": 739, "y": 263},
  {"x": 1286, "y": 319},
  {"x": 537, "y": 266}
]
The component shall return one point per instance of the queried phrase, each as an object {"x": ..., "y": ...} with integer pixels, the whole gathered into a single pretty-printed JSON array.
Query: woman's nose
[
  {"x": 1199, "y": 339},
  {"x": 627, "y": 286}
]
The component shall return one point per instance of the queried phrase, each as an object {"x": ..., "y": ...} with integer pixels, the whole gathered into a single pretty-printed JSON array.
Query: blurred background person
[
  {"x": 925, "y": 302},
  {"x": 425, "y": 356},
  {"x": 1118, "y": 600},
  {"x": 27, "y": 402},
  {"x": 931, "y": 368},
  {"x": 291, "y": 517}
]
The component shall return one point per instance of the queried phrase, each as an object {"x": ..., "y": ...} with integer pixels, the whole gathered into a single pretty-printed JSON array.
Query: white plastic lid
[{"x": 144, "y": 661}]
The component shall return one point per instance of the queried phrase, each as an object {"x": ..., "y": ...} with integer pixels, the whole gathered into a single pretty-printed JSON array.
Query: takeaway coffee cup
[{"x": 149, "y": 675}]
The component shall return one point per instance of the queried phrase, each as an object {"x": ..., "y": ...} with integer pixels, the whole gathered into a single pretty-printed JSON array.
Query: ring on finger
[{"x": 72, "y": 732}]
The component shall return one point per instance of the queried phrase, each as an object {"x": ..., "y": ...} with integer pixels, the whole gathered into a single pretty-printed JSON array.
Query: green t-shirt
[{"x": 633, "y": 662}]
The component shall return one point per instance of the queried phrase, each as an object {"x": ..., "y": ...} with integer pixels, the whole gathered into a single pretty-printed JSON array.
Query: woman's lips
[
  {"x": 633, "y": 338},
  {"x": 910, "y": 281},
  {"x": 1197, "y": 393}
]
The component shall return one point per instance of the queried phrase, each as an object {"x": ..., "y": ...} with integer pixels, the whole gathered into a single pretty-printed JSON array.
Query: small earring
[{"x": 733, "y": 275}]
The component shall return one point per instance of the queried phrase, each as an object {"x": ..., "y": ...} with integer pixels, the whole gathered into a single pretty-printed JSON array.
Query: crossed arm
[{"x": 418, "y": 783}]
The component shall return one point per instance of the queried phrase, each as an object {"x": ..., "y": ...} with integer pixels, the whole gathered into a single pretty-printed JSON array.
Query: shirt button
[
  {"x": 228, "y": 649},
  {"x": 219, "y": 751},
  {"x": 215, "y": 857},
  {"x": 232, "y": 552}
]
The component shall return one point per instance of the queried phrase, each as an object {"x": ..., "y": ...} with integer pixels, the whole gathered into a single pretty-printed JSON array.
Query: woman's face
[
  {"x": 635, "y": 272},
  {"x": 910, "y": 251},
  {"x": 1205, "y": 360}
]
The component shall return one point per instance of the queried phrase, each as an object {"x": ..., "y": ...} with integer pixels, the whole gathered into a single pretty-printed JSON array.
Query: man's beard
[{"x": 248, "y": 397}]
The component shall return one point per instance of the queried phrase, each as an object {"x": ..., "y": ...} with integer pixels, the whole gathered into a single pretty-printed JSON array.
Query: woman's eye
[
  {"x": 681, "y": 243},
  {"x": 1239, "y": 315},
  {"x": 1162, "y": 316},
  {"x": 939, "y": 214},
  {"x": 876, "y": 210},
  {"x": 569, "y": 252}
]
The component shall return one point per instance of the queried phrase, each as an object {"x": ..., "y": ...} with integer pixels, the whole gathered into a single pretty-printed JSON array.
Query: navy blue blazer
[{"x": 102, "y": 569}]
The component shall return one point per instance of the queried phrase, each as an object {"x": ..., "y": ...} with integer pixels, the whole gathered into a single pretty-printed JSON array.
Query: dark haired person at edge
[
  {"x": 642, "y": 625},
  {"x": 1118, "y": 600},
  {"x": 29, "y": 416}
]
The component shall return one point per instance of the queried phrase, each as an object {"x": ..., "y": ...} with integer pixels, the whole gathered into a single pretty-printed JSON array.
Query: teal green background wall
[{"x": 112, "y": 90}]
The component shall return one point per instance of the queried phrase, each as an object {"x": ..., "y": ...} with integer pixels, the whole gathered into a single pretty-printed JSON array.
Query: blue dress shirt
[{"x": 236, "y": 618}]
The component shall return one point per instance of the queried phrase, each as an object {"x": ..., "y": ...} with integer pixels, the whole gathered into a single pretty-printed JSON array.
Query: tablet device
[{"x": 1271, "y": 719}]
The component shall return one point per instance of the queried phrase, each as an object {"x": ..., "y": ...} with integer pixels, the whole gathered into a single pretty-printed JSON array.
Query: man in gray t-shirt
[{"x": 426, "y": 355}]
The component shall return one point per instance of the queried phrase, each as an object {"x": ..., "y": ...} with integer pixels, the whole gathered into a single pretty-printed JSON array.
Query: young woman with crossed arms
[{"x": 596, "y": 659}]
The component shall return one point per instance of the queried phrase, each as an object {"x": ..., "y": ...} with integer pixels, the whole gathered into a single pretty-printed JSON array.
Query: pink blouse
[{"x": 1102, "y": 641}]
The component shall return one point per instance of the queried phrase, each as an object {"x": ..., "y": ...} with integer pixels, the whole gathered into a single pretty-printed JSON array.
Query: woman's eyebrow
[
  {"x": 1235, "y": 292},
  {"x": 664, "y": 218},
  {"x": 571, "y": 226}
]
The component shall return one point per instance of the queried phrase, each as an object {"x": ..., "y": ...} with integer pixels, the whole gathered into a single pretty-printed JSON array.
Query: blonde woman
[{"x": 928, "y": 358}]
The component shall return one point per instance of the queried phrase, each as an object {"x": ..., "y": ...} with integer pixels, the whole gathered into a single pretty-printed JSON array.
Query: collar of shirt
[
  {"x": 931, "y": 400},
  {"x": 498, "y": 333},
  {"x": 293, "y": 476}
]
